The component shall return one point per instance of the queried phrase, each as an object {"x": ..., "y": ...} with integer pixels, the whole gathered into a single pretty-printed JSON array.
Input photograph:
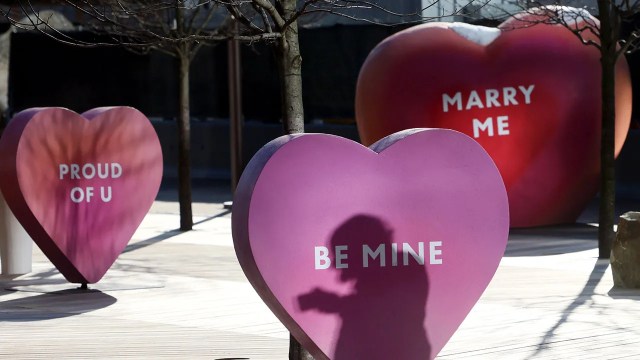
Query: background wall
[
  {"x": 40, "y": 68},
  {"x": 46, "y": 73}
]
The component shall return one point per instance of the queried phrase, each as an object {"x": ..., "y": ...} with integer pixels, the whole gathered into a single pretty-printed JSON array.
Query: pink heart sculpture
[
  {"x": 371, "y": 253},
  {"x": 530, "y": 95},
  {"x": 80, "y": 184}
]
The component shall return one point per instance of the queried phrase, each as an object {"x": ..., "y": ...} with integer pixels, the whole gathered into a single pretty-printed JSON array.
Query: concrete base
[
  {"x": 625, "y": 252},
  {"x": 15, "y": 244}
]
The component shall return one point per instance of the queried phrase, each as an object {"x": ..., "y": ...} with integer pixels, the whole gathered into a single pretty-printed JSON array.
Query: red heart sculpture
[
  {"x": 530, "y": 95},
  {"x": 80, "y": 184}
]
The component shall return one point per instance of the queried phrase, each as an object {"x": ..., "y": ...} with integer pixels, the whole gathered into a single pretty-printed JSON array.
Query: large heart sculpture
[
  {"x": 80, "y": 184},
  {"x": 530, "y": 95},
  {"x": 371, "y": 253}
]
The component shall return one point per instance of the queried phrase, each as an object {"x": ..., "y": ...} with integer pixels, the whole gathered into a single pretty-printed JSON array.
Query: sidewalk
[{"x": 179, "y": 295}]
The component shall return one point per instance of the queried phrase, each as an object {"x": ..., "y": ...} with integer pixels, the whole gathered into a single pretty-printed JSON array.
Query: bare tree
[
  {"x": 612, "y": 16},
  {"x": 279, "y": 20}
]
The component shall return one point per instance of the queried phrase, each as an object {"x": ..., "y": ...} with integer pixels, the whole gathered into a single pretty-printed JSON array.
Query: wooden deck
[{"x": 178, "y": 295}]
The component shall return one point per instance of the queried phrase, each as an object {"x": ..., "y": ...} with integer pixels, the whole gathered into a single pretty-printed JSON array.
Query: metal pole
[{"x": 235, "y": 109}]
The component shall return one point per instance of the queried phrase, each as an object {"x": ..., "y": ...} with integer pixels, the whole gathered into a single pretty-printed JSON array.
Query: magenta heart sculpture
[
  {"x": 80, "y": 184},
  {"x": 371, "y": 253}
]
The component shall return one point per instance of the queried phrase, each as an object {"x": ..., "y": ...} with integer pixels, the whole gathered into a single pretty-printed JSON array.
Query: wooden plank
[{"x": 183, "y": 295}]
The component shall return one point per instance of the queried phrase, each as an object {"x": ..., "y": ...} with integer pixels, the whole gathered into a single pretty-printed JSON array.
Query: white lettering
[
  {"x": 367, "y": 252},
  {"x": 478, "y": 126},
  {"x": 105, "y": 198},
  {"x": 407, "y": 250},
  {"x": 503, "y": 125},
  {"x": 89, "y": 193},
  {"x": 489, "y": 98},
  {"x": 77, "y": 195},
  {"x": 64, "y": 169},
  {"x": 88, "y": 175},
  {"x": 509, "y": 96},
  {"x": 394, "y": 254},
  {"x": 492, "y": 98},
  {"x": 75, "y": 168},
  {"x": 455, "y": 100},
  {"x": 474, "y": 100},
  {"x": 116, "y": 170},
  {"x": 435, "y": 251},
  {"x": 105, "y": 167},
  {"x": 527, "y": 93},
  {"x": 340, "y": 256},
  {"x": 89, "y": 170},
  {"x": 322, "y": 258},
  {"x": 370, "y": 254}
]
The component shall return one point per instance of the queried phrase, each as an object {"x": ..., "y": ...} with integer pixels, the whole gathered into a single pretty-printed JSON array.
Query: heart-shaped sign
[
  {"x": 80, "y": 184},
  {"x": 371, "y": 253},
  {"x": 530, "y": 95}
]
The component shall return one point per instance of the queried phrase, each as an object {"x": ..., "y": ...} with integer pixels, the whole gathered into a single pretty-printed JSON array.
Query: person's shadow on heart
[{"x": 383, "y": 317}]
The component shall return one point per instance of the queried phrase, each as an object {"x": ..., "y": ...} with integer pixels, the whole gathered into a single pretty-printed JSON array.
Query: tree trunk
[
  {"x": 184, "y": 144},
  {"x": 290, "y": 63},
  {"x": 609, "y": 25},
  {"x": 296, "y": 351},
  {"x": 235, "y": 109}
]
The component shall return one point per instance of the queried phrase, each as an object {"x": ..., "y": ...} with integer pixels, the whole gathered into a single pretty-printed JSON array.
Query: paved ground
[{"x": 183, "y": 296}]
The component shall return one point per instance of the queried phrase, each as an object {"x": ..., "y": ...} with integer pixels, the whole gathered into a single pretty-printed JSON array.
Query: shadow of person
[{"x": 383, "y": 317}]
